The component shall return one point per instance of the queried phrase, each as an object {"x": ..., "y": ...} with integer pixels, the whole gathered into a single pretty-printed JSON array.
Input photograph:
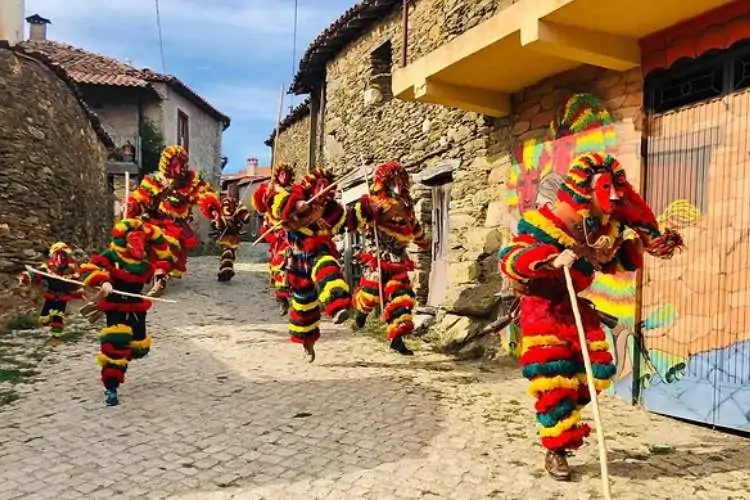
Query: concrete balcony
[
  {"x": 126, "y": 157},
  {"x": 534, "y": 39}
]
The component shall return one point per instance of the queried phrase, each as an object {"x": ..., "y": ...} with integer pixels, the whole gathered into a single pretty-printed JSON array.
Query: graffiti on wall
[{"x": 582, "y": 125}]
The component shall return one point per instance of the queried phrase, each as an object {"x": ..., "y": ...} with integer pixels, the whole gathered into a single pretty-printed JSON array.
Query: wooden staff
[
  {"x": 377, "y": 243},
  {"x": 590, "y": 381},
  {"x": 127, "y": 196}
]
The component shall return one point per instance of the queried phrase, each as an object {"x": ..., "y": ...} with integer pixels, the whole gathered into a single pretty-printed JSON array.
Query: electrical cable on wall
[{"x": 161, "y": 38}]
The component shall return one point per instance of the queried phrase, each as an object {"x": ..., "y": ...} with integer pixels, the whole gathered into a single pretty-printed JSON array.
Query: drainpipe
[{"x": 406, "y": 32}]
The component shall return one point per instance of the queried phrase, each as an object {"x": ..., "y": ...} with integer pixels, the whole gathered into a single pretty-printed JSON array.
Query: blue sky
[{"x": 235, "y": 53}]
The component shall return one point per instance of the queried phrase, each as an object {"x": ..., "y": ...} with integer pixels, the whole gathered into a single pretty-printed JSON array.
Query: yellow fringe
[
  {"x": 561, "y": 426},
  {"x": 303, "y": 329},
  {"x": 102, "y": 360},
  {"x": 599, "y": 345},
  {"x": 141, "y": 344},
  {"x": 543, "y": 384},
  {"x": 321, "y": 261},
  {"x": 539, "y": 221},
  {"x": 305, "y": 307},
  {"x": 116, "y": 329},
  {"x": 338, "y": 284},
  {"x": 599, "y": 384},
  {"x": 540, "y": 341}
]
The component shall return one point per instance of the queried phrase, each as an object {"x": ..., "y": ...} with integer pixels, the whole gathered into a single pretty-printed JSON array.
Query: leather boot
[
  {"x": 340, "y": 317},
  {"x": 556, "y": 464},
  {"x": 359, "y": 320},
  {"x": 283, "y": 306},
  {"x": 397, "y": 344}
]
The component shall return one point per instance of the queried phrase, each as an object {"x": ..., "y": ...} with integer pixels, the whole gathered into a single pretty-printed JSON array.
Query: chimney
[
  {"x": 37, "y": 28},
  {"x": 11, "y": 20},
  {"x": 252, "y": 166}
]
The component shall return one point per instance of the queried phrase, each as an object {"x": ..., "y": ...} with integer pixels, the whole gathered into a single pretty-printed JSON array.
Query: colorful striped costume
[
  {"x": 227, "y": 228},
  {"x": 392, "y": 216},
  {"x": 166, "y": 198},
  {"x": 278, "y": 245},
  {"x": 314, "y": 273},
  {"x": 595, "y": 206},
  {"x": 136, "y": 251},
  {"x": 58, "y": 293}
]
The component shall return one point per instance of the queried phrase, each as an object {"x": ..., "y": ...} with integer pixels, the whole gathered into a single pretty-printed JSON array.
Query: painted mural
[{"x": 675, "y": 363}]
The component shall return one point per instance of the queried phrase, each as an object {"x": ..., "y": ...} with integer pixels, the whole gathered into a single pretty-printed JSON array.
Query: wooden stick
[
  {"x": 277, "y": 135},
  {"x": 127, "y": 196},
  {"x": 590, "y": 381},
  {"x": 377, "y": 244}
]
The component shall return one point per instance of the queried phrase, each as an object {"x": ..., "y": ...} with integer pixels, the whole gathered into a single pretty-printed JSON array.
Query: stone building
[
  {"x": 52, "y": 170},
  {"x": 125, "y": 98},
  {"x": 512, "y": 90},
  {"x": 294, "y": 147}
]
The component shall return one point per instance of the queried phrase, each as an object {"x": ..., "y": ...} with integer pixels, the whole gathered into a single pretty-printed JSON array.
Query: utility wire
[
  {"x": 161, "y": 38},
  {"x": 294, "y": 48}
]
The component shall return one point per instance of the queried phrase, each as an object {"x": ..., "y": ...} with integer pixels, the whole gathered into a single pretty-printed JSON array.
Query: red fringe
[
  {"x": 337, "y": 305},
  {"x": 546, "y": 354},
  {"x": 311, "y": 338},
  {"x": 142, "y": 306},
  {"x": 63, "y": 297},
  {"x": 551, "y": 399},
  {"x": 371, "y": 260},
  {"x": 601, "y": 357},
  {"x": 310, "y": 316},
  {"x": 568, "y": 440},
  {"x": 528, "y": 258},
  {"x": 326, "y": 272},
  {"x": 403, "y": 329},
  {"x": 113, "y": 352},
  {"x": 112, "y": 373},
  {"x": 312, "y": 244},
  {"x": 125, "y": 276}
]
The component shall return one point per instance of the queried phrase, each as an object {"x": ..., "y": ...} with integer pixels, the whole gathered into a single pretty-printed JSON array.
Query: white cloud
[{"x": 247, "y": 102}]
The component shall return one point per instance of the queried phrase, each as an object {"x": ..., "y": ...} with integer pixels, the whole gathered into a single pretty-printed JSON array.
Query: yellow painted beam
[
  {"x": 585, "y": 46},
  {"x": 490, "y": 103}
]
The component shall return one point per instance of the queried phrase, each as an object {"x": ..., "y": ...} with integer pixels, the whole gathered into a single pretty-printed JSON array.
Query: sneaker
[{"x": 112, "y": 399}]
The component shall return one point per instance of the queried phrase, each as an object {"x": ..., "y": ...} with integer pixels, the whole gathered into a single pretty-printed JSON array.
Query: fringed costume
[
  {"x": 228, "y": 229},
  {"x": 166, "y": 199},
  {"x": 137, "y": 250},
  {"x": 278, "y": 245},
  {"x": 598, "y": 224},
  {"x": 388, "y": 209},
  {"x": 57, "y": 292},
  {"x": 314, "y": 273}
]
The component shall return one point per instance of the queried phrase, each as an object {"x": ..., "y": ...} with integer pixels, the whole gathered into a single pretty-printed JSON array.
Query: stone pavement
[{"x": 224, "y": 407}]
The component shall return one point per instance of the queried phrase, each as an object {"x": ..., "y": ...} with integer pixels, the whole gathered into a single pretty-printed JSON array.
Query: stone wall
[
  {"x": 52, "y": 171},
  {"x": 294, "y": 142}
]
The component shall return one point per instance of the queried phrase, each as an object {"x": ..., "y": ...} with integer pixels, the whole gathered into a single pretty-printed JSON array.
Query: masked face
[
  {"x": 177, "y": 167},
  {"x": 136, "y": 244},
  {"x": 229, "y": 206},
  {"x": 606, "y": 196},
  {"x": 283, "y": 178},
  {"x": 59, "y": 260},
  {"x": 320, "y": 185}
]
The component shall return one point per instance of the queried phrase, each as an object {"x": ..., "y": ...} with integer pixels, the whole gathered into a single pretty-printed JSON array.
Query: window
[
  {"x": 381, "y": 63},
  {"x": 183, "y": 130}
]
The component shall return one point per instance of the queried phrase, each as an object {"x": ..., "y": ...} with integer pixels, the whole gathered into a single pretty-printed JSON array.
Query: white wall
[{"x": 12, "y": 20}]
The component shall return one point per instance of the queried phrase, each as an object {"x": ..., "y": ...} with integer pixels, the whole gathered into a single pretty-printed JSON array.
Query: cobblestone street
[{"x": 225, "y": 407}]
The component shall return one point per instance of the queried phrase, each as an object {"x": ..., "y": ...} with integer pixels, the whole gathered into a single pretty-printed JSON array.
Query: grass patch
[
  {"x": 8, "y": 396},
  {"x": 21, "y": 322},
  {"x": 374, "y": 327},
  {"x": 15, "y": 375},
  {"x": 661, "y": 450},
  {"x": 73, "y": 335}
]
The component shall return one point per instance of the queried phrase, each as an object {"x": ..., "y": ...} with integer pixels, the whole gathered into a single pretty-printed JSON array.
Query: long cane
[
  {"x": 592, "y": 388},
  {"x": 377, "y": 245}
]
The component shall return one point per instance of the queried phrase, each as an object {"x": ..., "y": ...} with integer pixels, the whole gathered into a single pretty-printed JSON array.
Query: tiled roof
[
  {"x": 61, "y": 73},
  {"x": 296, "y": 114},
  {"x": 352, "y": 24},
  {"x": 88, "y": 68}
]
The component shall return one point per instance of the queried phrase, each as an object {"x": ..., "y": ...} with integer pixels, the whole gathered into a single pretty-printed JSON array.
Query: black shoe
[
  {"x": 359, "y": 320},
  {"x": 283, "y": 307},
  {"x": 397, "y": 344},
  {"x": 340, "y": 317}
]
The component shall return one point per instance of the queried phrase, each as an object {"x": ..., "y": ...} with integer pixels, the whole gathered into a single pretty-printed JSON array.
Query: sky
[{"x": 235, "y": 53}]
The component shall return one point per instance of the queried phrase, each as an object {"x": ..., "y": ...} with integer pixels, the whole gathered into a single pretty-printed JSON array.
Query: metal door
[{"x": 694, "y": 356}]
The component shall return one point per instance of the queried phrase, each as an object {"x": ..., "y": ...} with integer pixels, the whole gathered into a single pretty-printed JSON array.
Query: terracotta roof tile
[
  {"x": 350, "y": 26},
  {"x": 89, "y": 68}
]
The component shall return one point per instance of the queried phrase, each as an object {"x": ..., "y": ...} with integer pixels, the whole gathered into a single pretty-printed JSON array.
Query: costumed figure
[
  {"x": 598, "y": 223},
  {"x": 278, "y": 245},
  {"x": 228, "y": 229},
  {"x": 57, "y": 292},
  {"x": 166, "y": 199},
  {"x": 313, "y": 272},
  {"x": 136, "y": 251},
  {"x": 389, "y": 211}
]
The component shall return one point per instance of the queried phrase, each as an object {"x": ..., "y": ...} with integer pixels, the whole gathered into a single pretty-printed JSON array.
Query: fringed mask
[
  {"x": 318, "y": 181},
  {"x": 135, "y": 242},
  {"x": 595, "y": 182},
  {"x": 284, "y": 175},
  {"x": 60, "y": 256},
  {"x": 174, "y": 162},
  {"x": 392, "y": 179}
]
